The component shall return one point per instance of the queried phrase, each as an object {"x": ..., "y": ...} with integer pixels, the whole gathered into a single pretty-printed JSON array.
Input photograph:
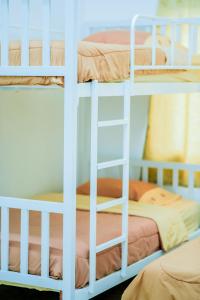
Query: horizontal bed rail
[{"x": 29, "y": 204}]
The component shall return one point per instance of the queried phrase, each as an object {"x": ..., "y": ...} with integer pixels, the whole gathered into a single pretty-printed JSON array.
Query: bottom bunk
[
  {"x": 157, "y": 220},
  {"x": 143, "y": 241}
]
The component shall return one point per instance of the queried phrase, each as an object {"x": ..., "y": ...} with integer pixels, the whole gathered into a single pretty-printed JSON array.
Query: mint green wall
[{"x": 31, "y": 139}]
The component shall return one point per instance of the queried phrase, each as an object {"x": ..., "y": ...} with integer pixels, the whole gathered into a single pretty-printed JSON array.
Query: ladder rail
[
  {"x": 94, "y": 167},
  {"x": 125, "y": 191}
]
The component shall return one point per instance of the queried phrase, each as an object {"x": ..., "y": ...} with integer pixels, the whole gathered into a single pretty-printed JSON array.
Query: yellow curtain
[{"x": 174, "y": 120}]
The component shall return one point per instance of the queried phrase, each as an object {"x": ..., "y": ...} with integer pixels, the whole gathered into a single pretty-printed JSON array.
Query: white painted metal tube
[
  {"x": 173, "y": 40},
  {"x": 32, "y": 71},
  {"x": 25, "y": 33},
  {"x": 24, "y": 241},
  {"x": 160, "y": 177},
  {"x": 45, "y": 226},
  {"x": 93, "y": 182},
  {"x": 145, "y": 174},
  {"x": 154, "y": 42},
  {"x": 46, "y": 33},
  {"x": 163, "y": 30},
  {"x": 33, "y": 280},
  {"x": 112, "y": 163},
  {"x": 110, "y": 243},
  {"x": 132, "y": 47},
  {"x": 166, "y": 165},
  {"x": 191, "y": 183},
  {"x": 110, "y": 204},
  {"x": 178, "y": 33},
  {"x": 175, "y": 179},
  {"x": 112, "y": 123},
  {"x": 126, "y": 149},
  {"x": 4, "y": 32},
  {"x": 4, "y": 238},
  {"x": 70, "y": 149},
  {"x": 191, "y": 42},
  {"x": 35, "y": 205}
]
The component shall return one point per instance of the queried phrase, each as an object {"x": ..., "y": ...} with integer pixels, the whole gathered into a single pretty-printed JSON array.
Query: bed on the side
[{"x": 175, "y": 275}]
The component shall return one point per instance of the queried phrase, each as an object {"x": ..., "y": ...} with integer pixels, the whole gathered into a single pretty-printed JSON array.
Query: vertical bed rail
[
  {"x": 25, "y": 33},
  {"x": 24, "y": 241},
  {"x": 70, "y": 148},
  {"x": 45, "y": 232},
  {"x": 4, "y": 238},
  {"x": 4, "y": 32},
  {"x": 46, "y": 59}
]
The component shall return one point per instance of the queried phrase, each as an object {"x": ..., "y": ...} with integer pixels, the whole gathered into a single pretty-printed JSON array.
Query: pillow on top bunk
[
  {"x": 117, "y": 37},
  {"x": 110, "y": 187}
]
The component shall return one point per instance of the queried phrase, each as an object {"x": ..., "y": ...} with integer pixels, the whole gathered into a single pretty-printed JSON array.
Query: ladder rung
[
  {"x": 112, "y": 163},
  {"x": 110, "y": 204},
  {"x": 112, "y": 123},
  {"x": 110, "y": 244}
]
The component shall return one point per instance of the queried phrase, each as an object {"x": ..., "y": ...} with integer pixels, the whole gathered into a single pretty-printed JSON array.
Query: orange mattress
[
  {"x": 143, "y": 240},
  {"x": 96, "y": 61}
]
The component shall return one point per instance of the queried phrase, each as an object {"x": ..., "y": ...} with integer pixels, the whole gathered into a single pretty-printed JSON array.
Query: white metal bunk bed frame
[{"x": 72, "y": 93}]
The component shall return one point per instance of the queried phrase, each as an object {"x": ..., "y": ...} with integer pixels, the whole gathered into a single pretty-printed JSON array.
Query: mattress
[
  {"x": 143, "y": 240},
  {"x": 99, "y": 61},
  {"x": 143, "y": 236},
  {"x": 173, "y": 276},
  {"x": 168, "y": 76}
]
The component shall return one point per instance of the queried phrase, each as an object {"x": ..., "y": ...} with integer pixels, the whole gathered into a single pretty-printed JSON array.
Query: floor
[{"x": 13, "y": 293}]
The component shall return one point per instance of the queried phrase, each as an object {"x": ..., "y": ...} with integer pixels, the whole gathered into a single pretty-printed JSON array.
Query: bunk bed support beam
[{"x": 70, "y": 150}]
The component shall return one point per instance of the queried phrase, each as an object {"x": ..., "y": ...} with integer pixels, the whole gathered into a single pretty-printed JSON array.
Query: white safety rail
[
  {"x": 167, "y": 27},
  {"x": 95, "y": 166},
  {"x": 26, "y": 206},
  {"x": 24, "y": 69},
  {"x": 189, "y": 191}
]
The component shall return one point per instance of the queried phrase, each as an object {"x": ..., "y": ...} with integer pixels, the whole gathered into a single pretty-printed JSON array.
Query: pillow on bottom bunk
[{"x": 110, "y": 187}]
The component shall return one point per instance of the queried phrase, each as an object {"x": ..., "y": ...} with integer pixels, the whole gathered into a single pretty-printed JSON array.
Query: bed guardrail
[
  {"x": 25, "y": 69},
  {"x": 25, "y": 206},
  {"x": 189, "y": 190},
  {"x": 176, "y": 29}
]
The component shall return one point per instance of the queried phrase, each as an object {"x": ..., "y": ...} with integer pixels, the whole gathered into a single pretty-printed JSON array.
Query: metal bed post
[{"x": 70, "y": 150}]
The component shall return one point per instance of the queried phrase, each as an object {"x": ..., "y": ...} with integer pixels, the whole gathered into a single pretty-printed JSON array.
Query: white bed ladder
[{"x": 94, "y": 167}]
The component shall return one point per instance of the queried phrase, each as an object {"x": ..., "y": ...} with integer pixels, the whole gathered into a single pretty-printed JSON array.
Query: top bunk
[{"x": 153, "y": 54}]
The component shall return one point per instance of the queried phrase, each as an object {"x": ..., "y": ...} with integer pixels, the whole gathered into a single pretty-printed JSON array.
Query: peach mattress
[
  {"x": 143, "y": 240},
  {"x": 99, "y": 61}
]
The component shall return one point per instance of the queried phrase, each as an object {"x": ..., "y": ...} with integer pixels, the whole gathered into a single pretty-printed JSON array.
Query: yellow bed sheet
[{"x": 175, "y": 216}]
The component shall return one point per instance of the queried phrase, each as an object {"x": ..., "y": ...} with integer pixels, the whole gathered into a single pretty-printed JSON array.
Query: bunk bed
[{"x": 21, "y": 75}]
